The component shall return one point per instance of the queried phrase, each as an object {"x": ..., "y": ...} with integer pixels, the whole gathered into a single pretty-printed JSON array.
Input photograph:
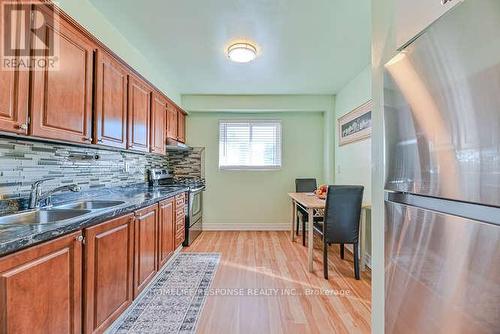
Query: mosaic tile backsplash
[
  {"x": 188, "y": 163},
  {"x": 22, "y": 162}
]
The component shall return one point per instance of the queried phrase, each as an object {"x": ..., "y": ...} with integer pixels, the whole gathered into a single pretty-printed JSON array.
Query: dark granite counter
[{"x": 14, "y": 237}]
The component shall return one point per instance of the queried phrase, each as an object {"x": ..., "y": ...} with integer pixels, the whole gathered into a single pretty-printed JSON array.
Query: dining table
[{"x": 315, "y": 207}]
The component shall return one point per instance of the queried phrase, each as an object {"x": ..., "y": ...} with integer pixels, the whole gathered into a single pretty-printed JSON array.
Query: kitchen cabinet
[
  {"x": 110, "y": 118},
  {"x": 145, "y": 249},
  {"x": 172, "y": 122},
  {"x": 158, "y": 123},
  {"x": 412, "y": 17},
  {"x": 181, "y": 126},
  {"x": 61, "y": 104},
  {"x": 40, "y": 288},
  {"x": 139, "y": 114},
  {"x": 180, "y": 219},
  {"x": 14, "y": 90},
  {"x": 109, "y": 258},
  {"x": 166, "y": 231}
]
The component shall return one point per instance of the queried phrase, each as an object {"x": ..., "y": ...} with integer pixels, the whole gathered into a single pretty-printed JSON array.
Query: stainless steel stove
[{"x": 194, "y": 207}]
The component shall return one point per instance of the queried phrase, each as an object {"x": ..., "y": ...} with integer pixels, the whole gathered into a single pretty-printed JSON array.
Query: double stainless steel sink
[{"x": 58, "y": 213}]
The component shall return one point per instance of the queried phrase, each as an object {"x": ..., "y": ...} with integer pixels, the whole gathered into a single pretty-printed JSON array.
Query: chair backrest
[
  {"x": 342, "y": 213},
  {"x": 305, "y": 185}
]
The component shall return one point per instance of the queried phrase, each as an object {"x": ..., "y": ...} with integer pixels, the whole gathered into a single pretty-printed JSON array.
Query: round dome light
[{"x": 242, "y": 52}]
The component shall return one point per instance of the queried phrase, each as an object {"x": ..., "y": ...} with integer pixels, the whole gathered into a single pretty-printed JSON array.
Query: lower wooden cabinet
[
  {"x": 180, "y": 219},
  {"x": 146, "y": 250},
  {"x": 40, "y": 288},
  {"x": 166, "y": 231},
  {"x": 109, "y": 258}
]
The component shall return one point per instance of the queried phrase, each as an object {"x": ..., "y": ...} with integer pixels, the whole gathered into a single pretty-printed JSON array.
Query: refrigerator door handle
[{"x": 483, "y": 213}]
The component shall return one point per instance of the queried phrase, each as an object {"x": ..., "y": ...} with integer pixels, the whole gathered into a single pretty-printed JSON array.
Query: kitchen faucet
[{"x": 36, "y": 196}]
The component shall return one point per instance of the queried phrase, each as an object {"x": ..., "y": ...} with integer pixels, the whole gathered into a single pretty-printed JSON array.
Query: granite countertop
[{"x": 14, "y": 237}]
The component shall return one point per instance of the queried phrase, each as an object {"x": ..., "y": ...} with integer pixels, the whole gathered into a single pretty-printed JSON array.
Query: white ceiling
[{"x": 305, "y": 46}]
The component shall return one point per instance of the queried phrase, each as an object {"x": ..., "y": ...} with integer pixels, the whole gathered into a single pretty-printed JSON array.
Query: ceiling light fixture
[{"x": 242, "y": 52}]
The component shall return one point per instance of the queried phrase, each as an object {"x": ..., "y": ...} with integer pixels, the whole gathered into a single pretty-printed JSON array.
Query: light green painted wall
[
  {"x": 353, "y": 161},
  {"x": 92, "y": 20},
  {"x": 275, "y": 103},
  {"x": 257, "y": 197}
]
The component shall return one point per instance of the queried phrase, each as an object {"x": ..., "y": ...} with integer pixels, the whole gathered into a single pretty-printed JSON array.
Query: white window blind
[{"x": 249, "y": 144}]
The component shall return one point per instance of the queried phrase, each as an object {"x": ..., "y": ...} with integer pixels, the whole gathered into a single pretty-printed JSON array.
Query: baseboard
[{"x": 246, "y": 226}]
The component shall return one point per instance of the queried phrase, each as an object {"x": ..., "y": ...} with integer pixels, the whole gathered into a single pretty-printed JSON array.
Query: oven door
[{"x": 195, "y": 206}]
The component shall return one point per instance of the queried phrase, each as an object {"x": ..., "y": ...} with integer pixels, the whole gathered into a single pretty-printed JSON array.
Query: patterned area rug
[{"x": 174, "y": 301}]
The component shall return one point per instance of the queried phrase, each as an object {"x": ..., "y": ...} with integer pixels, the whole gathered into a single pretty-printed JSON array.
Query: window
[{"x": 250, "y": 144}]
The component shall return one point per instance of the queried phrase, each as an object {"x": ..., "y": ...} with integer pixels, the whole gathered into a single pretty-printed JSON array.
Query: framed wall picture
[{"x": 356, "y": 125}]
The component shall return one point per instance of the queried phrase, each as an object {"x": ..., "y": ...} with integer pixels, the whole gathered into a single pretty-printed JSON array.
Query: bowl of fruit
[{"x": 321, "y": 191}]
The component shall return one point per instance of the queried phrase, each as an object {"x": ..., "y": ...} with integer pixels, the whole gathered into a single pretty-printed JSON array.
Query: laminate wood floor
[{"x": 262, "y": 286}]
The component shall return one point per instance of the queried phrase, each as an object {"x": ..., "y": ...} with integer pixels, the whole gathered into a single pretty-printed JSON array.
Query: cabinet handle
[
  {"x": 99, "y": 140},
  {"x": 23, "y": 126},
  {"x": 80, "y": 238},
  {"x": 87, "y": 139}
]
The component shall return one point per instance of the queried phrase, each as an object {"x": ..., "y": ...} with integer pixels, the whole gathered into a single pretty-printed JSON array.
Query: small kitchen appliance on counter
[{"x": 194, "y": 208}]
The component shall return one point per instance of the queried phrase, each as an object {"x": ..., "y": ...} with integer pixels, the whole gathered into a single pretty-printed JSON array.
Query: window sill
[{"x": 250, "y": 168}]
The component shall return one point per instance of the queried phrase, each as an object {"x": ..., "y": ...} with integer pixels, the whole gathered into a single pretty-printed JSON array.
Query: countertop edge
[{"x": 18, "y": 244}]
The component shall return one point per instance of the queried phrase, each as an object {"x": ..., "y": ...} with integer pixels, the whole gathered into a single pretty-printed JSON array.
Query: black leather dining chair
[
  {"x": 307, "y": 185},
  {"x": 341, "y": 222}
]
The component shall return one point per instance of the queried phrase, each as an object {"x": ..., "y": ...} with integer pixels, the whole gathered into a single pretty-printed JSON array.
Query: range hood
[{"x": 174, "y": 145}]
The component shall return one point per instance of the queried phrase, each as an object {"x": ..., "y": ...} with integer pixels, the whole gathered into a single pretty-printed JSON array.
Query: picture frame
[{"x": 355, "y": 125}]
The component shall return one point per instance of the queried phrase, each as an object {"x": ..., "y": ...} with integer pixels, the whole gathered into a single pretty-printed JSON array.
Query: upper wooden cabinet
[
  {"x": 146, "y": 251},
  {"x": 172, "y": 122},
  {"x": 110, "y": 119},
  {"x": 61, "y": 103},
  {"x": 14, "y": 92},
  {"x": 181, "y": 127},
  {"x": 109, "y": 258},
  {"x": 139, "y": 114},
  {"x": 40, "y": 288},
  {"x": 158, "y": 123}
]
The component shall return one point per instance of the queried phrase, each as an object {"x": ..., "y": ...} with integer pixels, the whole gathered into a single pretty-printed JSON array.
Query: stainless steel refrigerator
[{"x": 442, "y": 204}]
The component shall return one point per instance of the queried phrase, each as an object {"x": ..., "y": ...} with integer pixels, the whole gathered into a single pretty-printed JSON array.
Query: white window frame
[{"x": 252, "y": 168}]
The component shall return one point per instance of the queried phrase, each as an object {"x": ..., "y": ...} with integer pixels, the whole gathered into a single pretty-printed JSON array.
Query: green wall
[
  {"x": 257, "y": 199},
  {"x": 353, "y": 161},
  {"x": 92, "y": 20}
]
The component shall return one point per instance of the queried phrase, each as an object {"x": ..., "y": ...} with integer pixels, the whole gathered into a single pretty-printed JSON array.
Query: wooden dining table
[{"x": 315, "y": 208}]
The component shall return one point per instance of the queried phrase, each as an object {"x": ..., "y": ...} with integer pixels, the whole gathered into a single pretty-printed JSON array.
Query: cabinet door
[
  {"x": 62, "y": 97},
  {"x": 40, "y": 288},
  {"x": 139, "y": 113},
  {"x": 158, "y": 123},
  {"x": 181, "y": 127},
  {"x": 13, "y": 93},
  {"x": 146, "y": 231},
  {"x": 110, "y": 121},
  {"x": 172, "y": 122},
  {"x": 166, "y": 231},
  {"x": 109, "y": 258},
  {"x": 412, "y": 17}
]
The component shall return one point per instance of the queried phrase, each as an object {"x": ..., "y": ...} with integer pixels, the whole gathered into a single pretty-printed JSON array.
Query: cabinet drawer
[
  {"x": 179, "y": 225},
  {"x": 179, "y": 199},
  {"x": 179, "y": 213},
  {"x": 179, "y": 238}
]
